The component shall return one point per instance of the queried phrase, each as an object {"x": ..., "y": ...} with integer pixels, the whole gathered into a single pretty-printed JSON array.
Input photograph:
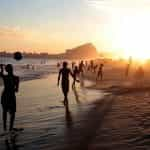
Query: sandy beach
[
  {"x": 126, "y": 125},
  {"x": 46, "y": 122},
  {"x": 110, "y": 114}
]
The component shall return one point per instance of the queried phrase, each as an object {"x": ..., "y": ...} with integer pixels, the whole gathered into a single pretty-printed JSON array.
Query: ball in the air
[{"x": 17, "y": 56}]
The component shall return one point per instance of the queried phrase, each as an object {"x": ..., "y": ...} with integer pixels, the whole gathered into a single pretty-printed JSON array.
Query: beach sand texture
[
  {"x": 47, "y": 123},
  {"x": 117, "y": 121}
]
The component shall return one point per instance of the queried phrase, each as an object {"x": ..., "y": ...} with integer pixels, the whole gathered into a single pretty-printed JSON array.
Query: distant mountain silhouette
[{"x": 86, "y": 51}]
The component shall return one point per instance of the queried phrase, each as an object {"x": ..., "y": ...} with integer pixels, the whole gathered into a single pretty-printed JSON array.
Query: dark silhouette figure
[
  {"x": 64, "y": 73},
  {"x": 128, "y": 67},
  {"x": 91, "y": 64},
  {"x": 8, "y": 99},
  {"x": 81, "y": 67},
  {"x": 73, "y": 65},
  {"x": 75, "y": 74},
  {"x": 100, "y": 72},
  {"x": 94, "y": 68},
  {"x": 127, "y": 70}
]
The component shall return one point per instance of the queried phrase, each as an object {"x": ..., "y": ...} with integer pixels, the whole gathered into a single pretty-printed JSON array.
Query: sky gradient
[{"x": 55, "y": 25}]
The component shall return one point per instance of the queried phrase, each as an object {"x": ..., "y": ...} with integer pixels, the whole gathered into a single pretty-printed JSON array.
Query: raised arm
[{"x": 59, "y": 75}]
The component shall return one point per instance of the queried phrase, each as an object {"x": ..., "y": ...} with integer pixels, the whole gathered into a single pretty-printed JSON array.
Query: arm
[
  {"x": 59, "y": 75},
  {"x": 70, "y": 72},
  {"x": 17, "y": 84}
]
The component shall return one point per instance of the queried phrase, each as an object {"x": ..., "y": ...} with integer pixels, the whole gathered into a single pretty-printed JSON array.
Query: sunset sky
[{"x": 121, "y": 26}]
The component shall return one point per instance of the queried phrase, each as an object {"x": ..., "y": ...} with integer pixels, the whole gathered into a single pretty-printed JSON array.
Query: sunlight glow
[{"x": 133, "y": 36}]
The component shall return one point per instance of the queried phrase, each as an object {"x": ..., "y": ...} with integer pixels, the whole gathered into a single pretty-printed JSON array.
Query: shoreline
[
  {"x": 126, "y": 125},
  {"x": 118, "y": 120}
]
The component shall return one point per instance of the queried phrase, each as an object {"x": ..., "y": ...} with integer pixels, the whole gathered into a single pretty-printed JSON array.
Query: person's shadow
[
  {"x": 68, "y": 116},
  {"x": 76, "y": 95}
]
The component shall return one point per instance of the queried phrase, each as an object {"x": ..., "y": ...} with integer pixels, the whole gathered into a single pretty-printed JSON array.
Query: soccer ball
[{"x": 17, "y": 56}]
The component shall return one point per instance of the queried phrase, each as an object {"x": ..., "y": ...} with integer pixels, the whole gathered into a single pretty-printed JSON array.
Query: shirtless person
[
  {"x": 8, "y": 98},
  {"x": 64, "y": 75},
  {"x": 75, "y": 74},
  {"x": 100, "y": 72}
]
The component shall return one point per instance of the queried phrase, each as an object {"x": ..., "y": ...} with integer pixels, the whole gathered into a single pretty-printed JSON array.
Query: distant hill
[{"x": 86, "y": 51}]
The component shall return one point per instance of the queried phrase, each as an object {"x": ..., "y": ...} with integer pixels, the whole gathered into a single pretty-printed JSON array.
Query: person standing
[
  {"x": 64, "y": 73},
  {"x": 8, "y": 98},
  {"x": 75, "y": 74},
  {"x": 100, "y": 72}
]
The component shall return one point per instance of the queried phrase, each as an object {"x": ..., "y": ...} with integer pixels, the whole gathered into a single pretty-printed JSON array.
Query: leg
[
  {"x": 4, "y": 120},
  {"x": 12, "y": 118},
  {"x": 66, "y": 98},
  {"x": 97, "y": 77},
  {"x": 73, "y": 84},
  {"x": 101, "y": 76}
]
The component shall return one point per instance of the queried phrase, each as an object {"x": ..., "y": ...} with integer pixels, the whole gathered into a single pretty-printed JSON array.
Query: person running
[
  {"x": 128, "y": 67},
  {"x": 127, "y": 70},
  {"x": 8, "y": 98},
  {"x": 81, "y": 67},
  {"x": 100, "y": 72},
  {"x": 64, "y": 73},
  {"x": 75, "y": 74}
]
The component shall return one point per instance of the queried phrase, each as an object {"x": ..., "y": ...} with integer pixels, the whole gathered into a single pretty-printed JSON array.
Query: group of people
[
  {"x": 75, "y": 72},
  {"x": 11, "y": 83},
  {"x": 11, "y": 86}
]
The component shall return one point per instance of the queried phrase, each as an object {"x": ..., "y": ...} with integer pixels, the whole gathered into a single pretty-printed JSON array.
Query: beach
[
  {"x": 46, "y": 122},
  {"x": 110, "y": 114}
]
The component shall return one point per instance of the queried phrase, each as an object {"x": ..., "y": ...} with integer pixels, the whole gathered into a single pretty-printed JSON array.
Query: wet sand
[
  {"x": 119, "y": 120},
  {"x": 127, "y": 124},
  {"x": 47, "y": 123}
]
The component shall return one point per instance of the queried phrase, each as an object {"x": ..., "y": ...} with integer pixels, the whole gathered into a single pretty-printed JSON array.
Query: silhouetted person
[
  {"x": 8, "y": 99},
  {"x": 73, "y": 65},
  {"x": 128, "y": 67},
  {"x": 81, "y": 67},
  {"x": 75, "y": 74},
  {"x": 64, "y": 73},
  {"x": 127, "y": 70},
  {"x": 94, "y": 68},
  {"x": 100, "y": 72},
  {"x": 91, "y": 64}
]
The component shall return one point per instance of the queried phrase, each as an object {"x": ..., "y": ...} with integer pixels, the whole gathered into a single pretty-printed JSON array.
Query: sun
[{"x": 132, "y": 35}]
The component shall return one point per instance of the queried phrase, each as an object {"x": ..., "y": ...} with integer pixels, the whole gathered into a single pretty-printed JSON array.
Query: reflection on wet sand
[
  {"x": 76, "y": 94},
  {"x": 10, "y": 143},
  {"x": 69, "y": 121}
]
